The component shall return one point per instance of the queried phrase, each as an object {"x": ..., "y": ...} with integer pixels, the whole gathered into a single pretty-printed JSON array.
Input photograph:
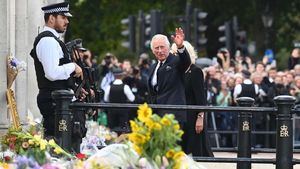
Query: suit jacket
[
  {"x": 170, "y": 83},
  {"x": 194, "y": 143}
]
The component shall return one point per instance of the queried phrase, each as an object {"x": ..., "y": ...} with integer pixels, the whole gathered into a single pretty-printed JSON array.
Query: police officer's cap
[
  {"x": 246, "y": 74},
  {"x": 117, "y": 70},
  {"x": 80, "y": 47},
  {"x": 58, "y": 8}
]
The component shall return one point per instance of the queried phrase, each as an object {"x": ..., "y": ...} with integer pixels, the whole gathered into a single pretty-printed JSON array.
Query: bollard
[
  {"x": 244, "y": 136},
  {"x": 63, "y": 118},
  {"x": 284, "y": 132},
  {"x": 78, "y": 131}
]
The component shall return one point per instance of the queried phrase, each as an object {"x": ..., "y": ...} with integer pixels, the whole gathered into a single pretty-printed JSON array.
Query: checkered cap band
[{"x": 57, "y": 10}]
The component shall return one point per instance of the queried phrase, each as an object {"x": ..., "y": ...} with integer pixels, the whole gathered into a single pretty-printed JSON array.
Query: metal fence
[{"x": 284, "y": 129}]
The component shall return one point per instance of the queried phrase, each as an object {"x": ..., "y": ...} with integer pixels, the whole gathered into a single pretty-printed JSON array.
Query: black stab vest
[
  {"x": 248, "y": 90},
  {"x": 43, "y": 82},
  {"x": 116, "y": 94}
]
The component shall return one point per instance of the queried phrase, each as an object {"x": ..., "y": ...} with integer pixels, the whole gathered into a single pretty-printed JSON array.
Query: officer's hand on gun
[
  {"x": 78, "y": 71},
  {"x": 84, "y": 94}
]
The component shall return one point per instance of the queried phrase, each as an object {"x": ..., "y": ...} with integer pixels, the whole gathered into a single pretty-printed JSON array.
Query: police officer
[
  {"x": 52, "y": 63},
  {"x": 118, "y": 92}
]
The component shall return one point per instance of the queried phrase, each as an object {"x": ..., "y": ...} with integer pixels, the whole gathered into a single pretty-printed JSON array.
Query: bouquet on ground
[
  {"x": 30, "y": 144},
  {"x": 97, "y": 137},
  {"x": 156, "y": 139},
  {"x": 14, "y": 66}
]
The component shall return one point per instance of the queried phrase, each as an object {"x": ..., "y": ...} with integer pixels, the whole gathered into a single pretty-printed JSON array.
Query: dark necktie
[{"x": 156, "y": 86}]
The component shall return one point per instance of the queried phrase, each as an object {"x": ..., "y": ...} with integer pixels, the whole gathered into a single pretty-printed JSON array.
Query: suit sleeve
[
  {"x": 184, "y": 59},
  {"x": 198, "y": 86}
]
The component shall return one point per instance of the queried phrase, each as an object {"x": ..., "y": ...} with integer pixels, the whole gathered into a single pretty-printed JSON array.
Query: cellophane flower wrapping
[{"x": 14, "y": 66}]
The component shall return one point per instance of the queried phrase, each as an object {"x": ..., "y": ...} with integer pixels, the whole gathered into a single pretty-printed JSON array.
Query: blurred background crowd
[{"x": 225, "y": 76}]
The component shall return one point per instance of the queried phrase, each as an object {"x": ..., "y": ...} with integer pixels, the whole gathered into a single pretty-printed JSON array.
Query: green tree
[{"x": 97, "y": 22}]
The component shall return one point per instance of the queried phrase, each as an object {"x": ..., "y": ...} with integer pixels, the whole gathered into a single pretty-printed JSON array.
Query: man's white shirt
[
  {"x": 154, "y": 77},
  {"x": 49, "y": 53},
  {"x": 127, "y": 91}
]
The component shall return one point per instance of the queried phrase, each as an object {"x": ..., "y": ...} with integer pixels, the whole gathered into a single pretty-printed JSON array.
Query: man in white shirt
[{"x": 53, "y": 65}]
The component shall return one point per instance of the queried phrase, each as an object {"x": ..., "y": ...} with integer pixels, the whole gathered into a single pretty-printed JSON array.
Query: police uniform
[
  {"x": 52, "y": 65},
  {"x": 118, "y": 92}
]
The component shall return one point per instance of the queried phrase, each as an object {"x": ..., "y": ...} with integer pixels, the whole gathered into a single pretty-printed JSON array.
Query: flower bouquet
[
  {"x": 14, "y": 66},
  {"x": 97, "y": 137},
  {"x": 153, "y": 144},
  {"x": 156, "y": 139},
  {"x": 31, "y": 145}
]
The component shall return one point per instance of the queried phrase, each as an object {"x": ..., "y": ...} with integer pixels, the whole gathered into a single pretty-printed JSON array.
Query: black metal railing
[{"x": 284, "y": 131}]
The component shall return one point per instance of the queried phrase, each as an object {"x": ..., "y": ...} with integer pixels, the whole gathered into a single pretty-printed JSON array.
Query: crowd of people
[
  {"x": 173, "y": 77},
  {"x": 232, "y": 76}
]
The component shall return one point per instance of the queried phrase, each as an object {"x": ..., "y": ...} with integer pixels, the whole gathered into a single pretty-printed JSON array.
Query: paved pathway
[{"x": 254, "y": 166}]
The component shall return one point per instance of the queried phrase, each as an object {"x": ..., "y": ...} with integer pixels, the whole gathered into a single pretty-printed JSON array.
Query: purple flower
[
  {"x": 13, "y": 63},
  {"x": 23, "y": 162}
]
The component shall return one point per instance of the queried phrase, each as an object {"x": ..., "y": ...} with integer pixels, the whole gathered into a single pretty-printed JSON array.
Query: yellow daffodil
[
  {"x": 37, "y": 138},
  {"x": 157, "y": 126},
  {"x": 52, "y": 143},
  {"x": 170, "y": 153},
  {"x": 137, "y": 138},
  {"x": 149, "y": 123},
  {"x": 156, "y": 138},
  {"x": 178, "y": 155},
  {"x": 137, "y": 149},
  {"x": 165, "y": 121},
  {"x": 177, "y": 165},
  {"x": 58, "y": 150},
  {"x": 176, "y": 127},
  {"x": 43, "y": 144},
  {"x": 144, "y": 112},
  {"x": 31, "y": 142},
  {"x": 134, "y": 126},
  {"x": 148, "y": 136}
]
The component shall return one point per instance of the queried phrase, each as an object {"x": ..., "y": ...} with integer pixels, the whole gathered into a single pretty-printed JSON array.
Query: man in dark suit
[{"x": 166, "y": 85}]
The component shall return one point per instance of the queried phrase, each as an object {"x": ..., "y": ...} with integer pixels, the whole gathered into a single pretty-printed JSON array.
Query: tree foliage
[{"x": 97, "y": 22}]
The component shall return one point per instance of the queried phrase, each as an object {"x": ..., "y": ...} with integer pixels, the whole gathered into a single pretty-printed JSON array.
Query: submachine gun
[
  {"x": 89, "y": 75},
  {"x": 86, "y": 83}
]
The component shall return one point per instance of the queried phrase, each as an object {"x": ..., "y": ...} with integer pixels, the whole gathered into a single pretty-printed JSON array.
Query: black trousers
[
  {"x": 45, "y": 104},
  {"x": 118, "y": 120}
]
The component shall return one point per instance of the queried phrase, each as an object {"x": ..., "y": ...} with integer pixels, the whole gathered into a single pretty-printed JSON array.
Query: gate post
[
  {"x": 244, "y": 136},
  {"x": 284, "y": 132},
  {"x": 63, "y": 118}
]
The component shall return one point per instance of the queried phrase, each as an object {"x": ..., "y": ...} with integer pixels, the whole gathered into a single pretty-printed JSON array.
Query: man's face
[
  {"x": 272, "y": 74},
  {"x": 60, "y": 23},
  {"x": 160, "y": 49}
]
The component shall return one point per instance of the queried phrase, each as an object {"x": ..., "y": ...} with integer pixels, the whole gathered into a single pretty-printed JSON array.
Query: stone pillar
[
  {"x": 4, "y": 46},
  {"x": 21, "y": 53},
  {"x": 34, "y": 26}
]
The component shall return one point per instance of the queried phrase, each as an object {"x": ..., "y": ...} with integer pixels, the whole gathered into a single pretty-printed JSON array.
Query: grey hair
[
  {"x": 190, "y": 49},
  {"x": 160, "y": 36}
]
